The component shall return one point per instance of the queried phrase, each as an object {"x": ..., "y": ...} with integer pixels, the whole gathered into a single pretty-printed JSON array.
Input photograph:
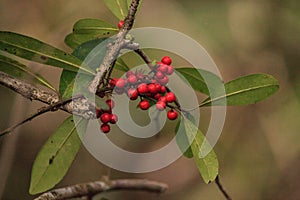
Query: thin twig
[
  {"x": 52, "y": 107},
  {"x": 114, "y": 48},
  {"x": 222, "y": 189},
  {"x": 94, "y": 188},
  {"x": 144, "y": 57}
]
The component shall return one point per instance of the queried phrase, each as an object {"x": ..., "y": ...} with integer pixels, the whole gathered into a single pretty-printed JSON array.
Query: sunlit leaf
[
  {"x": 56, "y": 156},
  {"x": 35, "y": 50},
  {"x": 207, "y": 163},
  {"x": 18, "y": 70},
  {"x": 245, "y": 90}
]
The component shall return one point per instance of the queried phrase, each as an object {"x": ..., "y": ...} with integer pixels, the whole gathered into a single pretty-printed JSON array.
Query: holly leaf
[
  {"x": 205, "y": 158},
  {"x": 38, "y": 51},
  {"x": 245, "y": 90},
  {"x": 18, "y": 70},
  {"x": 56, "y": 156}
]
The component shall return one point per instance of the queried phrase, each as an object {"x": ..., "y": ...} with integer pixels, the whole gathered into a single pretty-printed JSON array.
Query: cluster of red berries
[
  {"x": 106, "y": 116},
  {"x": 149, "y": 87}
]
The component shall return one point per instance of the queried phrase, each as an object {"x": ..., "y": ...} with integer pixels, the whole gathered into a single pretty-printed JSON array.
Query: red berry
[
  {"x": 162, "y": 99},
  {"x": 129, "y": 73},
  {"x": 120, "y": 83},
  {"x": 158, "y": 86},
  {"x": 143, "y": 88},
  {"x": 152, "y": 88},
  {"x": 132, "y": 79},
  {"x": 98, "y": 112},
  {"x": 105, "y": 128},
  {"x": 159, "y": 75},
  {"x": 144, "y": 105},
  {"x": 160, "y": 105},
  {"x": 164, "y": 80},
  {"x": 140, "y": 76},
  {"x": 105, "y": 117},
  {"x": 166, "y": 60},
  {"x": 132, "y": 94},
  {"x": 163, "y": 89},
  {"x": 172, "y": 114},
  {"x": 113, "y": 119},
  {"x": 170, "y": 70},
  {"x": 112, "y": 82},
  {"x": 157, "y": 96},
  {"x": 110, "y": 103},
  {"x": 170, "y": 97},
  {"x": 163, "y": 68},
  {"x": 120, "y": 24}
]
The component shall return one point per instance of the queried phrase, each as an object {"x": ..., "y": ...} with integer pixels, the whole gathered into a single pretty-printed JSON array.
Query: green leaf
[
  {"x": 18, "y": 70},
  {"x": 56, "y": 156},
  {"x": 121, "y": 65},
  {"x": 35, "y": 50},
  {"x": 118, "y": 7},
  {"x": 195, "y": 79},
  {"x": 94, "y": 27},
  {"x": 245, "y": 90},
  {"x": 207, "y": 163},
  {"x": 89, "y": 29},
  {"x": 182, "y": 140}
]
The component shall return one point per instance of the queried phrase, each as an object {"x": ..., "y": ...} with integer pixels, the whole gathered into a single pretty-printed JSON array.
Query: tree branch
[
  {"x": 93, "y": 188},
  {"x": 222, "y": 189},
  {"x": 114, "y": 48},
  {"x": 78, "y": 106}
]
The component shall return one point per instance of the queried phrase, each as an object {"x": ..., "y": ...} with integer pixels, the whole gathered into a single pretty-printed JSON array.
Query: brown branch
[
  {"x": 144, "y": 57},
  {"x": 222, "y": 189},
  {"x": 78, "y": 106},
  {"x": 114, "y": 48},
  {"x": 93, "y": 188}
]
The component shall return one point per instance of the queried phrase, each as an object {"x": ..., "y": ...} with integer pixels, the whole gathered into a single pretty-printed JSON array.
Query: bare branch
[
  {"x": 144, "y": 57},
  {"x": 222, "y": 189},
  {"x": 78, "y": 106},
  {"x": 114, "y": 48},
  {"x": 93, "y": 188}
]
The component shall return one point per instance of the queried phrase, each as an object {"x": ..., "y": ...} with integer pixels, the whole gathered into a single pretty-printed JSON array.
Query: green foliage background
[{"x": 258, "y": 151}]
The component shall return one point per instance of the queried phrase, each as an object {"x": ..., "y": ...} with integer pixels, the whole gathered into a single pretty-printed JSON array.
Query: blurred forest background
[{"x": 259, "y": 149}]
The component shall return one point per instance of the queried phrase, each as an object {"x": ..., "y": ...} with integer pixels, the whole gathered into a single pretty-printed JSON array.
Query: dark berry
[
  {"x": 172, "y": 114},
  {"x": 98, "y": 112},
  {"x": 143, "y": 88},
  {"x": 144, "y": 105},
  {"x": 160, "y": 105},
  {"x": 170, "y": 97},
  {"x": 113, "y": 119},
  {"x": 105, "y": 128},
  {"x": 132, "y": 94},
  {"x": 112, "y": 82},
  {"x": 166, "y": 60},
  {"x": 105, "y": 117},
  {"x": 120, "y": 24},
  {"x": 157, "y": 96}
]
